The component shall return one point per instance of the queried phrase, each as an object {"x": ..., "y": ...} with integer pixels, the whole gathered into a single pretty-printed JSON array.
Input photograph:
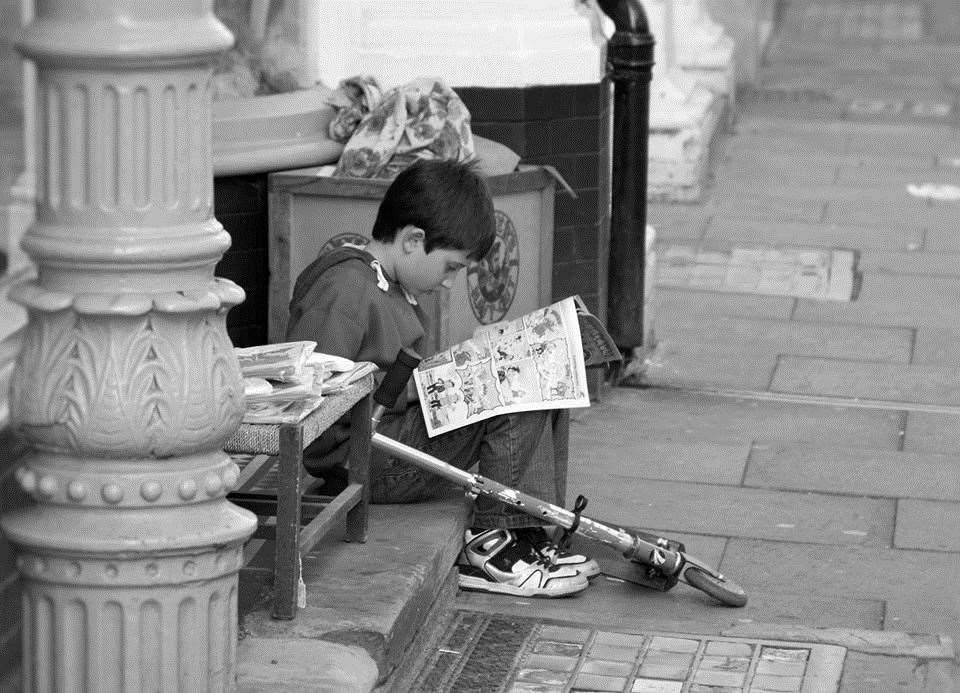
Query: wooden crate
[{"x": 311, "y": 214}]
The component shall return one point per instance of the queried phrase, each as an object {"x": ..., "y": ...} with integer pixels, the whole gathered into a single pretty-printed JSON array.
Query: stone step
[{"x": 365, "y": 603}]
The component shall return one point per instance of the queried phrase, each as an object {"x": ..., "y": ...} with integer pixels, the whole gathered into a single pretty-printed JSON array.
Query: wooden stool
[{"x": 272, "y": 483}]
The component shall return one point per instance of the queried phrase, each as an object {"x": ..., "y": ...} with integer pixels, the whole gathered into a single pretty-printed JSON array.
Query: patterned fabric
[
  {"x": 424, "y": 119},
  {"x": 353, "y": 99}
]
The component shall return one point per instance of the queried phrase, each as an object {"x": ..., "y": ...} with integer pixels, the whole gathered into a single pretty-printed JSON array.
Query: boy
[{"x": 360, "y": 302}]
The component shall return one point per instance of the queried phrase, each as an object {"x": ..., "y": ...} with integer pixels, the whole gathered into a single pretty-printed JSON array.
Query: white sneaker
[
  {"x": 544, "y": 543},
  {"x": 497, "y": 560}
]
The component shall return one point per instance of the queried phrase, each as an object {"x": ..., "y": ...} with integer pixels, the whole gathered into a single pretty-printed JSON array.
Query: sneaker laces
[{"x": 540, "y": 543}]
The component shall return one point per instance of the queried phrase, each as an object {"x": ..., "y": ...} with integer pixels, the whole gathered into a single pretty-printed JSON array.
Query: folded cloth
[
  {"x": 423, "y": 119},
  {"x": 353, "y": 99}
]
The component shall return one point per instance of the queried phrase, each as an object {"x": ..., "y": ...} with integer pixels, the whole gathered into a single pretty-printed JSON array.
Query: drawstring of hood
[{"x": 382, "y": 282}]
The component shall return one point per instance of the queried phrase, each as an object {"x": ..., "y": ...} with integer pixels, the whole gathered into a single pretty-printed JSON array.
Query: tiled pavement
[{"x": 481, "y": 653}]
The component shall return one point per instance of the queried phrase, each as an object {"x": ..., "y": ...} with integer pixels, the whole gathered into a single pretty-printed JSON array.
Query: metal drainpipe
[{"x": 629, "y": 66}]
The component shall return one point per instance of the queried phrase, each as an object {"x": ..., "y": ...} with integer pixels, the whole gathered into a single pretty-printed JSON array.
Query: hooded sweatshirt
[{"x": 345, "y": 304}]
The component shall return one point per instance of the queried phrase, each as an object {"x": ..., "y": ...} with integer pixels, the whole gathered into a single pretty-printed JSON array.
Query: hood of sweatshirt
[{"x": 309, "y": 276}]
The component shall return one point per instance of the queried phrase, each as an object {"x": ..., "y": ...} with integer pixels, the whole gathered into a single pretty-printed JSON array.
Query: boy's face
[{"x": 421, "y": 272}]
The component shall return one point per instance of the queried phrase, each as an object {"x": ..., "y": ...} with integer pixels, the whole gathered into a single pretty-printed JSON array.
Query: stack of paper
[{"x": 285, "y": 382}]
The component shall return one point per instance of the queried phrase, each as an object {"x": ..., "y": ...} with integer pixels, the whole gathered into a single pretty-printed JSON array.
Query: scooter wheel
[{"x": 724, "y": 591}]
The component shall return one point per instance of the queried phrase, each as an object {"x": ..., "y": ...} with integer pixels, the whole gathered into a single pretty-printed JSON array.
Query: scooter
[{"x": 660, "y": 562}]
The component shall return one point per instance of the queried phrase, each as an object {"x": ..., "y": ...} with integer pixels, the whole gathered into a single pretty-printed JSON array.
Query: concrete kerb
[{"x": 872, "y": 642}]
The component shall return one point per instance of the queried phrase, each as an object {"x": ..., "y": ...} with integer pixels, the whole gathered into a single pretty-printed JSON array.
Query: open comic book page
[{"x": 533, "y": 362}]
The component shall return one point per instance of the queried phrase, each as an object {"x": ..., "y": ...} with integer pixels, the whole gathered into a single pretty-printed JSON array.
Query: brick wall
[
  {"x": 240, "y": 204},
  {"x": 564, "y": 126}
]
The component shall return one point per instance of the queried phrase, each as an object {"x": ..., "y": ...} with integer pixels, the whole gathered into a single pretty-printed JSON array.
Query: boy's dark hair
[{"x": 447, "y": 199}]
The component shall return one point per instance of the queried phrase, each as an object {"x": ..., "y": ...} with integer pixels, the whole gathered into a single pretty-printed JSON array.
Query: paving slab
[
  {"x": 797, "y": 143},
  {"x": 924, "y": 613},
  {"x": 906, "y": 211},
  {"x": 730, "y": 230},
  {"x": 927, "y": 524},
  {"x": 684, "y": 609},
  {"x": 631, "y": 417},
  {"x": 881, "y": 139},
  {"x": 873, "y": 261},
  {"x": 746, "y": 166},
  {"x": 859, "y": 174},
  {"x": 755, "y": 123},
  {"x": 815, "y": 106},
  {"x": 748, "y": 335},
  {"x": 854, "y": 471},
  {"x": 861, "y": 572},
  {"x": 895, "y": 163},
  {"x": 890, "y": 643},
  {"x": 932, "y": 432},
  {"x": 942, "y": 238},
  {"x": 666, "y": 301},
  {"x": 676, "y": 365},
  {"x": 863, "y": 673},
  {"x": 768, "y": 208},
  {"x": 810, "y": 166},
  {"x": 933, "y": 345},
  {"x": 677, "y": 222},
  {"x": 881, "y": 198},
  {"x": 744, "y": 512},
  {"x": 894, "y": 301},
  {"x": 926, "y": 384},
  {"x": 668, "y": 461},
  {"x": 737, "y": 189},
  {"x": 949, "y": 154}
]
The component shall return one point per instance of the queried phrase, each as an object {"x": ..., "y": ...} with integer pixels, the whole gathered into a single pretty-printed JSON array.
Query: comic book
[{"x": 533, "y": 362}]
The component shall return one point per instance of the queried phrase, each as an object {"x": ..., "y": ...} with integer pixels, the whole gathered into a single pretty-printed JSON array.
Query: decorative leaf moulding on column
[{"x": 108, "y": 374}]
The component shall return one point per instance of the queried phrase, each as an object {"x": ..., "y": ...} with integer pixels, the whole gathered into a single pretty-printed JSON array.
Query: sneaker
[
  {"x": 548, "y": 548},
  {"x": 497, "y": 560}
]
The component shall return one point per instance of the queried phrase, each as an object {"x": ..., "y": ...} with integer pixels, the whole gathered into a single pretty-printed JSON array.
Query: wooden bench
[{"x": 273, "y": 481}]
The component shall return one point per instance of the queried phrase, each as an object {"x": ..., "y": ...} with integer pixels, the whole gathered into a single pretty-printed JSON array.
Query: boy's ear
[{"x": 411, "y": 237}]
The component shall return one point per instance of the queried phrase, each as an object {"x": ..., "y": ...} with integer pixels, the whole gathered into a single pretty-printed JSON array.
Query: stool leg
[
  {"x": 286, "y": 567},
  {"x": 360, "y": 433}
]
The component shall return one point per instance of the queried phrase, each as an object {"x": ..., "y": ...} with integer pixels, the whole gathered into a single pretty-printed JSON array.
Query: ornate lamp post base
[{"x": 126, "y": 386}]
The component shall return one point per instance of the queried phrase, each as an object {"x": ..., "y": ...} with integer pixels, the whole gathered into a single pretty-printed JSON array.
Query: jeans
[{"x": 526, "y": 451}]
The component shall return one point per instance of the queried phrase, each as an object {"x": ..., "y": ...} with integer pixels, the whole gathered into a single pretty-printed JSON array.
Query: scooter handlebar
[{"x": 396, "y": 378}]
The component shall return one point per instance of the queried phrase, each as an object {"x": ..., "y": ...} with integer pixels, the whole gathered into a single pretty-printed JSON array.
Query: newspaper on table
[
  {"x": 283, "y": 362},
  {"x": 529, "y": 363},
  {"x": 284, "y": 382}
]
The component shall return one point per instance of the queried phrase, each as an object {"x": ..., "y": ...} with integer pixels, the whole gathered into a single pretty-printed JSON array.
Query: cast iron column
[
  {"x": 126, "y": 387},
  {"x": 629, "y": 66}
]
